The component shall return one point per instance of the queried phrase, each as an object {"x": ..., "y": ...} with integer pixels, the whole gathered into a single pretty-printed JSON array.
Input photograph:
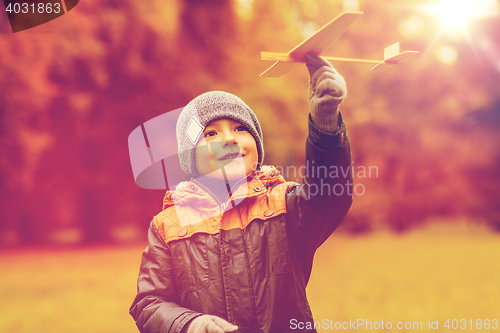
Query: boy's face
[{"x": 226, "y": 143}]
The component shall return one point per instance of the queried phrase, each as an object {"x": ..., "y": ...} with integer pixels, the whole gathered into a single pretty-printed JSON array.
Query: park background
[{"x": 420, "y": 243}]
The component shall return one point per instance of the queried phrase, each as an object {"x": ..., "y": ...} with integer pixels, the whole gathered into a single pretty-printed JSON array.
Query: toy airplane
[{"x": 320, "y": 41}]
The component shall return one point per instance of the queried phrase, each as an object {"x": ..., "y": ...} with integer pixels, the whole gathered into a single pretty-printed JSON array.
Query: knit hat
[{"x": 204, "y": 109}]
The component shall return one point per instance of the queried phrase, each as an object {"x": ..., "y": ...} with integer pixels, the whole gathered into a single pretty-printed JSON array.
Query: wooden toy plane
[{"x": 320, "y": 41}]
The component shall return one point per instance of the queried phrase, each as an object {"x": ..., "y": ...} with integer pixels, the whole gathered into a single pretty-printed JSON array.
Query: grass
[
  {"x": 435, "y": 274},
  {"x": 75, "y": 290}
]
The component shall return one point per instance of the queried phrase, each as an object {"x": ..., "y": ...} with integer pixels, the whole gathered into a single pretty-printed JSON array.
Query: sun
[{"x": 458, "y": 13}]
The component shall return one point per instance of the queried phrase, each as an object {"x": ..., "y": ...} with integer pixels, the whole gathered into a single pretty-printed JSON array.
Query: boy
[{"x": 232, "y": 250}]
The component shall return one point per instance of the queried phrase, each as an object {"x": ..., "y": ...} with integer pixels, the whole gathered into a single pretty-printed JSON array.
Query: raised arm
[{"x": 317, "y": 206}]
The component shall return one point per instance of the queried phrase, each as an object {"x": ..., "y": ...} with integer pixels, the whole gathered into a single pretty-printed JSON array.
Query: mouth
[{"x": 230, "y": 156}]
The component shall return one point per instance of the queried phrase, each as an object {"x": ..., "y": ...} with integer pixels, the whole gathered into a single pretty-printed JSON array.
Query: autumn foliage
[{"x": 73, "y": 89}]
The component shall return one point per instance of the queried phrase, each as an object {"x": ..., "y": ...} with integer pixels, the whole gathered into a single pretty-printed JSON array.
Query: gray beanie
[{"x": 204, "y": 109}]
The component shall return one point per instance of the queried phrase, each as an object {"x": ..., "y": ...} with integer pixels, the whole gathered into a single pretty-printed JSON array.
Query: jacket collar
[{"x": 257, "y": 183}]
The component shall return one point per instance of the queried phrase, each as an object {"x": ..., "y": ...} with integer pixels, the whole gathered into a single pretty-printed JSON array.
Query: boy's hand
[
  {"x": 327, "y": 89},
  {"x": 210, "y": 324}
]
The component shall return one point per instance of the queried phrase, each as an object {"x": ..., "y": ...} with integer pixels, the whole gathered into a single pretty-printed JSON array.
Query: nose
[{"x": 228, "y": 140}]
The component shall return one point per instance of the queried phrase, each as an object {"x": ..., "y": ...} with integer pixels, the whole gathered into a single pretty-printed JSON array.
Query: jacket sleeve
[
  {"x": 156, "y": 306},
  {"x": 316, "y": 207}
]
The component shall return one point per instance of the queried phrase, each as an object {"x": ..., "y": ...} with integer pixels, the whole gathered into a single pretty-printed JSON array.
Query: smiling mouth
[{"x": 231, "y": 156}]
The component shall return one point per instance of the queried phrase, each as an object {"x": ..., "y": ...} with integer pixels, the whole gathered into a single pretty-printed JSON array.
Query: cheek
[
  {"x": 202, "y": 158},
  {"x": 255, "y": 153},
  {"x": 251, "y": 148}
]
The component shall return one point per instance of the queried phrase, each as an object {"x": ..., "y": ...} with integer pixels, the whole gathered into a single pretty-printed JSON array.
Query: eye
[
  {"x": 210, "y": 134},
  {"x": 241, "y": 128}
]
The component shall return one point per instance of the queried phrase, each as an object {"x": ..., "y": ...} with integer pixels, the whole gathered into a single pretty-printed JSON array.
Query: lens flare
[
  {"x": 447, "y": 55},
  {"x": 411, "y": 26},
  {"x": 457, "y": 13}
]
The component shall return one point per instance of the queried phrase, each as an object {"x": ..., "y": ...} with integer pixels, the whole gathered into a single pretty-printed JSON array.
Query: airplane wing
[
  {"x": 393, "y": 61},
  {"x": 315, "y": 44},
  {"x": 392, "y": 57}
]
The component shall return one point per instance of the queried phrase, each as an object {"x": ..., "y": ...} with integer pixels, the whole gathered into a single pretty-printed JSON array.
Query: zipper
[
  {"x": 222, "y": 206},
  {"x": 231, "y": 191}
]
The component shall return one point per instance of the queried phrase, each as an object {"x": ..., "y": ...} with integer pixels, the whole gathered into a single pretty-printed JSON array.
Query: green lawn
[{"x": 431, "y": 274}]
